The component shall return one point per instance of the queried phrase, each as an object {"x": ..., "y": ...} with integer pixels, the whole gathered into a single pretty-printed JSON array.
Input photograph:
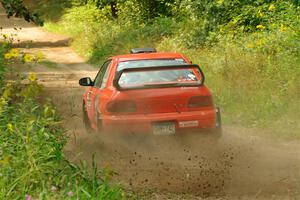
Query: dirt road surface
[{"x": 241, "y": 165}]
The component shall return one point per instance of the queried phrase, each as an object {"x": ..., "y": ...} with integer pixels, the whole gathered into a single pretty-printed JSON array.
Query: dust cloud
[{"x": 239, "y": 164}]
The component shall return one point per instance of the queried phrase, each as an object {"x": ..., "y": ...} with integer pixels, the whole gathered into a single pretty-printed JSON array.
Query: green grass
[
  {"x": 32, "y": 163},
  {"x": 3, "y": 49},
  {"x": 31, "y": 157},
  {"x": 49, "y": 64}
]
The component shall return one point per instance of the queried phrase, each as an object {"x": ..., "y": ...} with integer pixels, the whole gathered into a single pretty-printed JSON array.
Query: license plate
[
  {"x": 186, "y": 124},
  {"x": 164, "y": 128}
]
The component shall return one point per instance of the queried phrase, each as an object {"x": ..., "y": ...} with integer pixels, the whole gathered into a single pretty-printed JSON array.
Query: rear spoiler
[{"x": 150, "y": 68}]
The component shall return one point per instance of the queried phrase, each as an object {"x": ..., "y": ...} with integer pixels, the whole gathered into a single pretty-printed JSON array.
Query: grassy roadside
[{"x": 32, "y": 163}]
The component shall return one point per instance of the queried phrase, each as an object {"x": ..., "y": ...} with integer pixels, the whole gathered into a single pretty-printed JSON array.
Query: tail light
[
  {"x": 121, "y": 106},
  {"x": 200, "y": 101}
]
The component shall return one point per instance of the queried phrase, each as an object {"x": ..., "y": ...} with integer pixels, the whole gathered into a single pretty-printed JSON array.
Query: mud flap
[
  {"x": 85, "y": 119},
  {"x": 217, "y": 132}
]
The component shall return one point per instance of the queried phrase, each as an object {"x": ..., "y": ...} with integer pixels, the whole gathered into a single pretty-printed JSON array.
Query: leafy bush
[
  {"x": 120, "y": 38},
  {"x": 99, "y": 40},
  {"x": 203, "y": 21},
  {"x": 49, "y": 9},
  {"x": 4, "y": 46},
  {"x": 2, "y": 65},
  {"x": 17, "y": 9}
]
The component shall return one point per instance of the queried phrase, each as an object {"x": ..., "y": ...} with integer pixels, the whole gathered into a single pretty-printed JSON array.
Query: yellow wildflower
[
  {"x": 9, "y": 84},
  {"x": 261, "y": 27},
  {"x": 220, "y": 2},
  {"x": 222, "y": 30},
  {"x": 260, "y": 14},
  {"x": 7, "y": 56},
  {"x": 28, "y": 58},
  {"x": 32, "y": 77},
  {"x": 271, "y": 7},
  {"x": 39, "y": 56},
  {"x": 282, "y": 28},
  {"x": 7, "y": 93},
  {"x": 5, "y": 160},
  {"x": 10, "y": 127},
  {"x": 3, "y": 102},
  {"x": 5, "y": 36},
  {"x": 250, "y": 45},
  {"x": 259, "y": 42},
  {"x": 14, "y": 53}
]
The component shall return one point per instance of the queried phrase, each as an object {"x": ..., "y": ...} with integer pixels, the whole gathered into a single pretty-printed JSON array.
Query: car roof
[{"x": 145, "y": 56}]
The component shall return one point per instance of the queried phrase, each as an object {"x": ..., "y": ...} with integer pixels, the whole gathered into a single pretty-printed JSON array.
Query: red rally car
[{"x": 149, "y": 92}]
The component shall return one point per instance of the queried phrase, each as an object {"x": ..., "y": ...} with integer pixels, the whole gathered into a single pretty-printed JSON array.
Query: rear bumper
[{"x": 142, "y": 123}]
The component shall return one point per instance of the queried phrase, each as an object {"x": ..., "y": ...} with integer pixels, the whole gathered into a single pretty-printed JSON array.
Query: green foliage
[
  {"x": 16, "y": 8},
  {"x": 204, "y": 21},
  {"x": 32, "y": 162},
  {"x": 106, "y": 3},
  {"x": 4, "y": 47},
  {"x": 98, "y": 40},
  {"x": 2, "y": 62},
  {"x": 121, "y": 38},
  {"x": 51, "y": 9},
  {"x": 147, "y": 9},
  {"x": 155, "y": 8}
]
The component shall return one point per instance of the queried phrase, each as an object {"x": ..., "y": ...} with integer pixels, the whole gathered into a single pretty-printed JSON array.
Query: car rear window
[
  {"x": 150, "y": 63},
  {"x": 159, "y": 77}
]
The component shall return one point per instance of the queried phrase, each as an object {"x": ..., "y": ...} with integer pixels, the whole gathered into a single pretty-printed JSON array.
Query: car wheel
[{"x": 85, "y": 118}]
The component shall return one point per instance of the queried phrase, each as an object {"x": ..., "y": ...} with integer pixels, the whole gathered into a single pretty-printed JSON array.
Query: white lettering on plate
[{"x": 186, "y": 124}]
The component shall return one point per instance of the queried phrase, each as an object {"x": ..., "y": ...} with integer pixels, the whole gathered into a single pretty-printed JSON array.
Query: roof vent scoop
[{"x": 142, "y": 50}]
